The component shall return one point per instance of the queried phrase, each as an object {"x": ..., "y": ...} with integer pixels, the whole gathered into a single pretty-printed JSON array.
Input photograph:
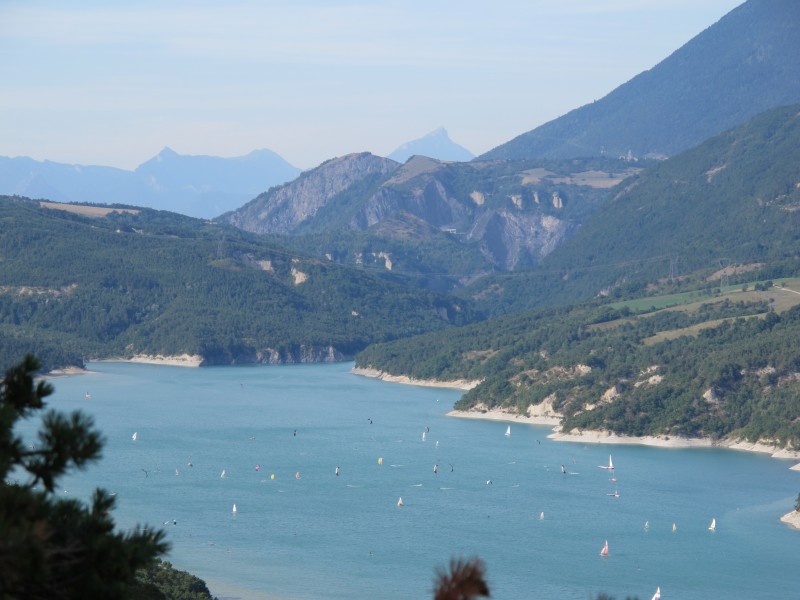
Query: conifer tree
[{"x": 52, "y": 547}]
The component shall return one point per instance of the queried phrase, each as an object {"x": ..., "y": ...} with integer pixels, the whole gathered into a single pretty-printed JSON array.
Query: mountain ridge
[
  {"x": 436, "y": 144},
  {"x": 736, "y": 68},
  {"x": 194, "y": 185}
]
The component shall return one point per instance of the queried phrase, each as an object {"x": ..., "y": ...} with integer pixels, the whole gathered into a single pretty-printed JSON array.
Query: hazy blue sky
[{"x": 111, "y": 83}]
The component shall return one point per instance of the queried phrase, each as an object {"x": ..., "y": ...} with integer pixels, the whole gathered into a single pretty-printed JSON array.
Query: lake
[{"x": 300, "y": 531}]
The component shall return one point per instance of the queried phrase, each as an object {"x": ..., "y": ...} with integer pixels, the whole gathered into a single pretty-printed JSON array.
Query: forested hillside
[
  {"x": 721, "y": 365},
  {"x": 729, "y": 205},
  {"x": 137, "y": 281}
]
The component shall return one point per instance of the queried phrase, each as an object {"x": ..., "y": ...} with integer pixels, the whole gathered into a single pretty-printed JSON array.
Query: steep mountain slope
[
  {"x": 739, "y": 67},
  {"x": 199, "y": 186},
  {"x": 86, "y": 281},
  {"x": 437, "y": 144},
  {"x": 510, "y": 213},
  {"x": 295, "y": 206},
  {"x": 733, "y": 200}
]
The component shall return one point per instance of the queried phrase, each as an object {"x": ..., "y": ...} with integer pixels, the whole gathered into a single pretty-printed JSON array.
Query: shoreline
[
  {"x": 608, "y": 437},
  {"x": 458, "y": 384},
  {"x": 177, "y": 360},
  {"x": 543, "y": 414},
  {"x": 792, "y": 519},
  {"x": 497, "y": 414},
  {"x": 65, "y": 372}
]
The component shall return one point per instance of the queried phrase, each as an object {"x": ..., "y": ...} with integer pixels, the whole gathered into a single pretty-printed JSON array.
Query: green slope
[
  {"x": 74, "y": 286},
  {"x": 732, "y": 200}
]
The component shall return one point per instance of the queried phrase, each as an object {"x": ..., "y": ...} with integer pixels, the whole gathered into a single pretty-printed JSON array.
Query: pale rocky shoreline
[
  {"x": 792, "y": 519},
  {"x": 460, "y": 384},
  {"x": 608, "y": 437},
  {"x": 181, "y": 360}
]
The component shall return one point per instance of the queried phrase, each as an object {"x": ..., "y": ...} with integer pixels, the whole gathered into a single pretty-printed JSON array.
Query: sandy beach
[
  {"x": 65, "y": 372},
  {"x": 537, "y": 415},
  {"x": 180, "y": 360},
  {"x": 459, "y": 384},
  {"x": 792, "y": 519}
]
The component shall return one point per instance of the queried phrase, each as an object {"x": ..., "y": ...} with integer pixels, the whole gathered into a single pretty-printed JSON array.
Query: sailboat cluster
[{"x": 604, "y": 551}]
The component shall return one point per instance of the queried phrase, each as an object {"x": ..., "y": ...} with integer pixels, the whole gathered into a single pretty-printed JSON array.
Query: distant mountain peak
[
  {"x": 198, "y": 186},
  {"x": 166, "y": 152},
  {"x": 436, "y": 144}
]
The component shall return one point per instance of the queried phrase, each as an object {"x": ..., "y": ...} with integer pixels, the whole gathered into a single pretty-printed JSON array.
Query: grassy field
[
  {"x": 783, "y": 295},
  {"x": 86, "y": 211}
]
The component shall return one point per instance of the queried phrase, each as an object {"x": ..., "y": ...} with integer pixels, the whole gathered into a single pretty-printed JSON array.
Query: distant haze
[
  {"x": 436, "y": 144},
  {"x": 113, "y": 83}
]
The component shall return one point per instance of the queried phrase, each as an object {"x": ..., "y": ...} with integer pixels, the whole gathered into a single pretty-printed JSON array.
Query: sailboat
[
  {"x": 604, "y": 551},
  {"x": 135, "y": 436},
  {"x": 234, "y": 509},
  {"x": 657, "y": 595},
  {"x": 508, "y": 431},
  {"x": 713, "y": 526},
  {"x": 674, "y": 528},
  {"x": 400, "y": 502},
  {"x": 647, "y": 524},
  {"x": 609, "y": 467},
  {"x": 541, "y": 516}
]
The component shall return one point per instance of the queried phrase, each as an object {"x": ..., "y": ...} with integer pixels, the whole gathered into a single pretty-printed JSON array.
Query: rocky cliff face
[
  {"x": 270, "y": 356},
  {"x": 514, "y": 239},
  {"x": 513, "y": 213},
  {"x": 284, "y": 209}
]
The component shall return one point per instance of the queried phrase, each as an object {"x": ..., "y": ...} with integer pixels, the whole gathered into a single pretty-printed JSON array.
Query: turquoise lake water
[{"x": 310, "y": 534}]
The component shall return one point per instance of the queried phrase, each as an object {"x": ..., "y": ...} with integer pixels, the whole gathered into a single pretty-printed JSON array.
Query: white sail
[
  {"x": 604, "y": 551},
  {"x": 674, "y": 528},
  {"x": 657, "y": 595},
  {"x": 508, "y": 431},
  {"x": 135, "y": 436},
  {"x": 400, "y": 502},
  {"x": 647, "y": 524},
  {"x": 713, "y": 526},
  {"x": 234, "y": 509},
  {"x": 610, "y": 465}
]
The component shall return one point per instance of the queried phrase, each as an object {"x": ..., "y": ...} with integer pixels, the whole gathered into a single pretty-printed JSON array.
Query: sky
[{"x": 93, "y": 82}]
